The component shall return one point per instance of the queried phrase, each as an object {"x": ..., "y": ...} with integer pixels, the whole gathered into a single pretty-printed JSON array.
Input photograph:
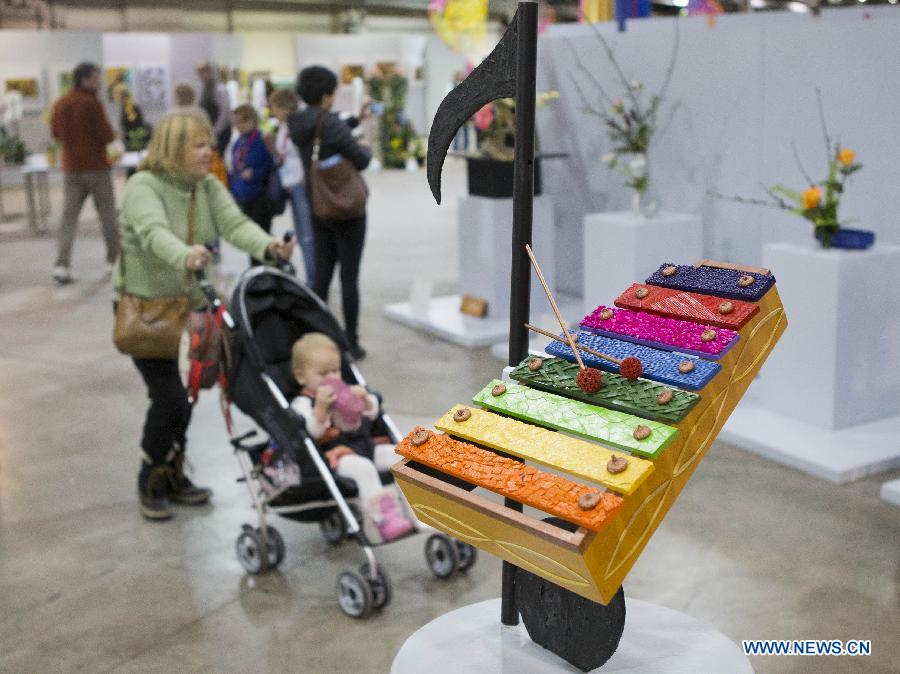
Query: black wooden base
[{"x": 580, "y": 631}]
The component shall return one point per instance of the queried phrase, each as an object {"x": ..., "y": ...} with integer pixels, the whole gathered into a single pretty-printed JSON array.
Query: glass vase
[{"x": 644, "y": 201}]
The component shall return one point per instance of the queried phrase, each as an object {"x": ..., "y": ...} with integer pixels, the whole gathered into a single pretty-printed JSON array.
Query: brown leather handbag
[
  {"x": 337, "y": 192},
  {"x": 151, "y": 328}
]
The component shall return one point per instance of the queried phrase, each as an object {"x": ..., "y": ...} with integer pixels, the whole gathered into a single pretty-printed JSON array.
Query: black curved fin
[{"x": 494, "y": 78}]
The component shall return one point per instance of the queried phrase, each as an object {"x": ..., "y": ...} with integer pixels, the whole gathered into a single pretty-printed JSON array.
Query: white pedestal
[
  {"x": 827, "y": 399},
  {"x": 838, "y": 456},
  {"x": 485, "y": 249},
  {"x": 656, "y": 639},
  {"x": 890, "y": 492},
  {"x": 621, "y": 248},
  {"x": 442, "y": 318},
  {"x": 838, "y": 363}
]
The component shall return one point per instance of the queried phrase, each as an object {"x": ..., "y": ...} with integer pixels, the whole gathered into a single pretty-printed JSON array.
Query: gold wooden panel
[
  {"x": 541, "y": 548},
  {"x": 549, "y": 448}
]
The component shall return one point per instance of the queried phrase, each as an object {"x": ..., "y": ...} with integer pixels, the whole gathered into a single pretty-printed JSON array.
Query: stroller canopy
[{"x": 272, "y": 310}]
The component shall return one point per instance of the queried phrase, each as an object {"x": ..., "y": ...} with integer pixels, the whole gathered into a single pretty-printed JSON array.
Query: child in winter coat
[{"x": 251, "y": 164}]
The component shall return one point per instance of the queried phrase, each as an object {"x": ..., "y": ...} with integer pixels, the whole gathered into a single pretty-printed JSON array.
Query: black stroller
[{"x": 271, "y": 309}]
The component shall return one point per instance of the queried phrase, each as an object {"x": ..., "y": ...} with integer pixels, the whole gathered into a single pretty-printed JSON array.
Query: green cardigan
[{"x": 154, "y": 233}]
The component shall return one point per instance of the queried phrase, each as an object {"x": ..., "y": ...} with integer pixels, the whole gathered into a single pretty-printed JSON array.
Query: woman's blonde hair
[{"x": 171, "y": 139}]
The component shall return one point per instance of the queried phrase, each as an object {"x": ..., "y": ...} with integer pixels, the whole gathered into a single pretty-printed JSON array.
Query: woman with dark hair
[{"x": 336, "y": 243}]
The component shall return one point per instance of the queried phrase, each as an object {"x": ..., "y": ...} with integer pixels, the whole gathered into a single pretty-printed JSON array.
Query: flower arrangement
[
  {"x": 631, "y": 121},
  {"x": 819, "y": 202},
  {"x": 496, "y": 126},
  {"x": 389, "y": 86}
]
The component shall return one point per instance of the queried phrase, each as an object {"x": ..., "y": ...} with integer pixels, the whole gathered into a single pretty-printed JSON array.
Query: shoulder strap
[{"x": 317, "y": 141}]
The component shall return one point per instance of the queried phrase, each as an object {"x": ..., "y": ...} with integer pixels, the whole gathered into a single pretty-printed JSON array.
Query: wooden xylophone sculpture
[{"x": 625, "y": 452}]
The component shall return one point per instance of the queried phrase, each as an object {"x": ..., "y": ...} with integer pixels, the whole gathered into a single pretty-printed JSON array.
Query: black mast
[{"x": 523, "y": 208}]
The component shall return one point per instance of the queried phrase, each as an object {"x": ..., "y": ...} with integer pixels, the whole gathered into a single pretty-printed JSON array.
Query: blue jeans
[{"x": 303, "y": 228}]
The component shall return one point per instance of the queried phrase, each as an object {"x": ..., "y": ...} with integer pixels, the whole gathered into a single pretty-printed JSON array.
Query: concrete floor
[{"x": 757, "y": 550}]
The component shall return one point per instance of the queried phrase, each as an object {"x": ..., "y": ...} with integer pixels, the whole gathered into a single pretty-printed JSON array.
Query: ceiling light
[{"x": 798, "y": 7}]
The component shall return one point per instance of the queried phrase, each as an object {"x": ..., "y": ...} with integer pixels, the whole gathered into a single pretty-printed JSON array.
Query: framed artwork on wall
[
  {"x": 116, "y": 75},
  {"x": 29, "y": 87},
  {"x": 152, "y": 85}
]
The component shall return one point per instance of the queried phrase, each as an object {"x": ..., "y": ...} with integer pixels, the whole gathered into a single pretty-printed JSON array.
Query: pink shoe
[{"x": 393, "y": 524}]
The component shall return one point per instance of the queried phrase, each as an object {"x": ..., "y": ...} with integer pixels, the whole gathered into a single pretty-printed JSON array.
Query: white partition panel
[{"x": 745, "y": 89}]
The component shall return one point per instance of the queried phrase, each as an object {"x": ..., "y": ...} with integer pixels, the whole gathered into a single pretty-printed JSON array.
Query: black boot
[
  {"x": 153, "y": 482},
  {"x": 181, "y": 489},
  {"x": 357, "y": 351}
]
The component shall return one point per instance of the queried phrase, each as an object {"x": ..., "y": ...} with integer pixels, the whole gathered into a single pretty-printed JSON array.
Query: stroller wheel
[
  {"x": 333, "y": 527},
  {"x": 354, "y": 594},
  {"x": 251, "y": 552},
  {"x": 441, "y": 555},
  {"x": 467, "y": 554},
  {"x": 382, "y": 591},
  {"x": 274, "y": 547}
]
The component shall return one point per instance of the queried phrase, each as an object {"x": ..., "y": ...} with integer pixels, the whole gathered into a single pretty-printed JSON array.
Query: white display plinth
[
  {"x": 442, "y": 318},
  {"x": 485, "y": 240},
  {"x": 827, "y": 400},
  {"x": 838, "y": 363},
  {"x": 621, "y": 248},
  {"x": 471, "y": 639},
  {"x": 838, "y": 456},
  {"x": 890, "y": 492},
  {"x": 485, "y": 251}
]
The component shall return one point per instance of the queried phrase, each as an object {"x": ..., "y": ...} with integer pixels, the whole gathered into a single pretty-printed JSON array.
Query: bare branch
[
  {"x": 610, "y": 54},
  {"x": 828, "y": 149},
  {"x": 590, "y": 75},
  {"x": 662, "y": 130},
  {"x": 751, "y": 202},
  {"x": 672, "y": 59},
  {"x": 809, "y": 181}
]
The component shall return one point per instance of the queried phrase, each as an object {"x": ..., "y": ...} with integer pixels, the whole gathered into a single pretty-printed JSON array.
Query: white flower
[
  {"x": 637, "y": 166},
  {"x": 609, "y": 158},
  {"x": 637, "y": 86}
]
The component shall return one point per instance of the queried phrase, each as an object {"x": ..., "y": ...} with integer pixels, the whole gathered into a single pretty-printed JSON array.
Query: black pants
[
  {"x": 340, "y": 243},
  {"x": 169, "y": 413},
  {"x": 259, "y": 211}
]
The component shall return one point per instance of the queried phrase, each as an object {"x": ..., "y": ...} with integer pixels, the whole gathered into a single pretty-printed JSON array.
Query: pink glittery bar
[{"x": 671, "y": 331}]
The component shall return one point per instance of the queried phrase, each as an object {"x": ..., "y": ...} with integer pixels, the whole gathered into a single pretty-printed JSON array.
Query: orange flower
[
  {"x": 812, "y": 197},
  {"x": 846, "y": 156}
]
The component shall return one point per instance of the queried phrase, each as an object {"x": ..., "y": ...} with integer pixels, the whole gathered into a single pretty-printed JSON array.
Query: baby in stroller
[{"x": 339, "y": 419}]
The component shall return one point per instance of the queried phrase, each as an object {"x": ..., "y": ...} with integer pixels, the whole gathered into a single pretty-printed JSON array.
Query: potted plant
[
  {"x": 819, "y": 202},
  {"x": 12, "y": 149},
  {"x": 490, "y": 168}
]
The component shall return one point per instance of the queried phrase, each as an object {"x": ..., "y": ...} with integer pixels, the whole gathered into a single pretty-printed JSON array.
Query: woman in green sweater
[{"x": 158, "y": 261}]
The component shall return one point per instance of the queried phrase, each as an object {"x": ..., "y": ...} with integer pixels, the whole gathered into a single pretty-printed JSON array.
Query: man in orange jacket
[{"x": 80, "y": 125}]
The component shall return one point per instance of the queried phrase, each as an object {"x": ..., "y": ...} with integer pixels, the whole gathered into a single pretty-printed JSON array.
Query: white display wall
[
  {"x": 47, "y": 54},
  {"x": 43, "y": 55},
  {"x": 746, "y": 90},
  {"x": 367, "y": 50}
]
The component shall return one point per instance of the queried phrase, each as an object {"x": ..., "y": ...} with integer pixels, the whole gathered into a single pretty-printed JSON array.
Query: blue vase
[{"x": 853, "y": 239}]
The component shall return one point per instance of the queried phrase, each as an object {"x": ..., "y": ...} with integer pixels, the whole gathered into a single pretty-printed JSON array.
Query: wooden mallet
[{"x": 589, "y": 379}]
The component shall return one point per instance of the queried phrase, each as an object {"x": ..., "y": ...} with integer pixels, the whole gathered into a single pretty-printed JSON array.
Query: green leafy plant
[{"x": 12, "y": 148}]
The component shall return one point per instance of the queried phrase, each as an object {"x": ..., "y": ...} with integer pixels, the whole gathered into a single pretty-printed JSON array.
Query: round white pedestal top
[{"x": 471, "y": 640}]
